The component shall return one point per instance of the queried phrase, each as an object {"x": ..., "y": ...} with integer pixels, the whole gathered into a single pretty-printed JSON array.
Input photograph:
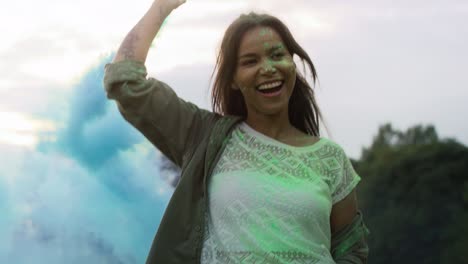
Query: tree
[{"x": 414, "y": 196}]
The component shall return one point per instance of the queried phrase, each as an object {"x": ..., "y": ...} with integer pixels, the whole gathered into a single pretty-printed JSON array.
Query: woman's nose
[{"x": 267, "y": 67}]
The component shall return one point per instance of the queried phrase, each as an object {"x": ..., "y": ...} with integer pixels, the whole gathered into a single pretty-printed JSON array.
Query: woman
[{"x": 258, "y": 184}]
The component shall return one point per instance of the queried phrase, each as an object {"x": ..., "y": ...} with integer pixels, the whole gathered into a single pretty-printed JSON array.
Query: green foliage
[{"x": 414, "y": 195}]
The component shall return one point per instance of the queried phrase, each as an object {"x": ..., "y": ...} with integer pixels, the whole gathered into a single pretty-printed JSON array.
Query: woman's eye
[
  {"x": 278, "y": 55},
  {"x": 248, "y": 62}
]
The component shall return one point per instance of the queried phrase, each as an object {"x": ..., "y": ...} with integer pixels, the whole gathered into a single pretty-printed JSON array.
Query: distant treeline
[{"x": 413, "y": 193}]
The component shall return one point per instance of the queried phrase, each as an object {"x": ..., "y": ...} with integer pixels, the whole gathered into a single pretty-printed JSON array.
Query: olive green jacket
[{"x": 193, "y": 139}]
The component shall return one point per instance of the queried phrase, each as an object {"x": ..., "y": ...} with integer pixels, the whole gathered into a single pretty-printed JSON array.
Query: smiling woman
[
  {"x": 256, "y": 50},
  {"x": 258, "y": 183}
]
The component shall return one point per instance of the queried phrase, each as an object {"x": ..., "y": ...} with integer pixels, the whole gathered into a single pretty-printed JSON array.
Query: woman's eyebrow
[
  {"x": 274, "y": 47},
  {"x": 269, "y": 50}
]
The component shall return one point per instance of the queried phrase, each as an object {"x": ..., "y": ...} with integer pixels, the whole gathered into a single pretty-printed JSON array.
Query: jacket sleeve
[
  {"x": 349, "y": 245},
  {"x": 151, "y": 106}
]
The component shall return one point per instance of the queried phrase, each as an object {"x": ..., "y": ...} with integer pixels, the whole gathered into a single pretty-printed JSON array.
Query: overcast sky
[
  {"x": 61, "y": 192},
  {"x": 402, "y": 62}
]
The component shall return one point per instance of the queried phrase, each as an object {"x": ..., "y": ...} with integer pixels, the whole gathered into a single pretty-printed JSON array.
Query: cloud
[{"x": 390, "y": 62}]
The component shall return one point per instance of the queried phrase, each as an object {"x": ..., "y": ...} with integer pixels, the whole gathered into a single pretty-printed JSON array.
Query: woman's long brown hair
[{"x": 304, "y": 113}]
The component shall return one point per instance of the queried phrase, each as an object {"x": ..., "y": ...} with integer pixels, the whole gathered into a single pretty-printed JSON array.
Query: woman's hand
[
  {"x": 171, "y": 4},
  {"x": 137, "y": 42}
]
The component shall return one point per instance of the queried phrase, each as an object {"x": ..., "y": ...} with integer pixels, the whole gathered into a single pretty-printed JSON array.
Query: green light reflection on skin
[
  {"x": 264, "y": 31},
  {"x": 278, "y": 47},
  {"x": 163, "y": 24}
]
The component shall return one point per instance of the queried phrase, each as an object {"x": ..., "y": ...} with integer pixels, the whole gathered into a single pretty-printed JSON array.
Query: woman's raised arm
[
  {"x": 150, "y": 105},
  {"x": 138, "y": 41}
]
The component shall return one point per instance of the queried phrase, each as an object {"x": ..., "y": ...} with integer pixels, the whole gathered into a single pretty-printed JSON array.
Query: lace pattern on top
[{"x": 269, "y": 202}]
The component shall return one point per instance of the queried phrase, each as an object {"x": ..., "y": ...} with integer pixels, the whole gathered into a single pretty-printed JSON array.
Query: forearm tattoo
[{"x": 129, "y": 45}]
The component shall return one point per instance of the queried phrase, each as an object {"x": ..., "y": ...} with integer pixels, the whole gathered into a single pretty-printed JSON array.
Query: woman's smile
[{"x": 271, "y": 89}]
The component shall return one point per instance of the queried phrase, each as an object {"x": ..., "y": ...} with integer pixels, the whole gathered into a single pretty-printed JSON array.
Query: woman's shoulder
[
  {"x": 332, "y": 148},
  {"x": 330, "y": 142}
]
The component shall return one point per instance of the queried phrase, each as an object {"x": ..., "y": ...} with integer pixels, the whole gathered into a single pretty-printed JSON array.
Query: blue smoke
[{"x": 95, "y": 195}]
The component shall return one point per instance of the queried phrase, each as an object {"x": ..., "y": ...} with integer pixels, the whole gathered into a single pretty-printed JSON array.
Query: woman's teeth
[{"x": 269, "y": 85}]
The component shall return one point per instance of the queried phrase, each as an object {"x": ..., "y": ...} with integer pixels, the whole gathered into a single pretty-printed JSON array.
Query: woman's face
[{"x": 264, "y": 62}]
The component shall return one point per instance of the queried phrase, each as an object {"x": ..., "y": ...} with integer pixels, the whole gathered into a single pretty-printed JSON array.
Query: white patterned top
[{"x": 269, "y": 202}]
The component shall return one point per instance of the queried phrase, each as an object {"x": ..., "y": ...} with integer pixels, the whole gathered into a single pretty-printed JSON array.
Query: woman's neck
[{"x": 278, "y": 129}]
